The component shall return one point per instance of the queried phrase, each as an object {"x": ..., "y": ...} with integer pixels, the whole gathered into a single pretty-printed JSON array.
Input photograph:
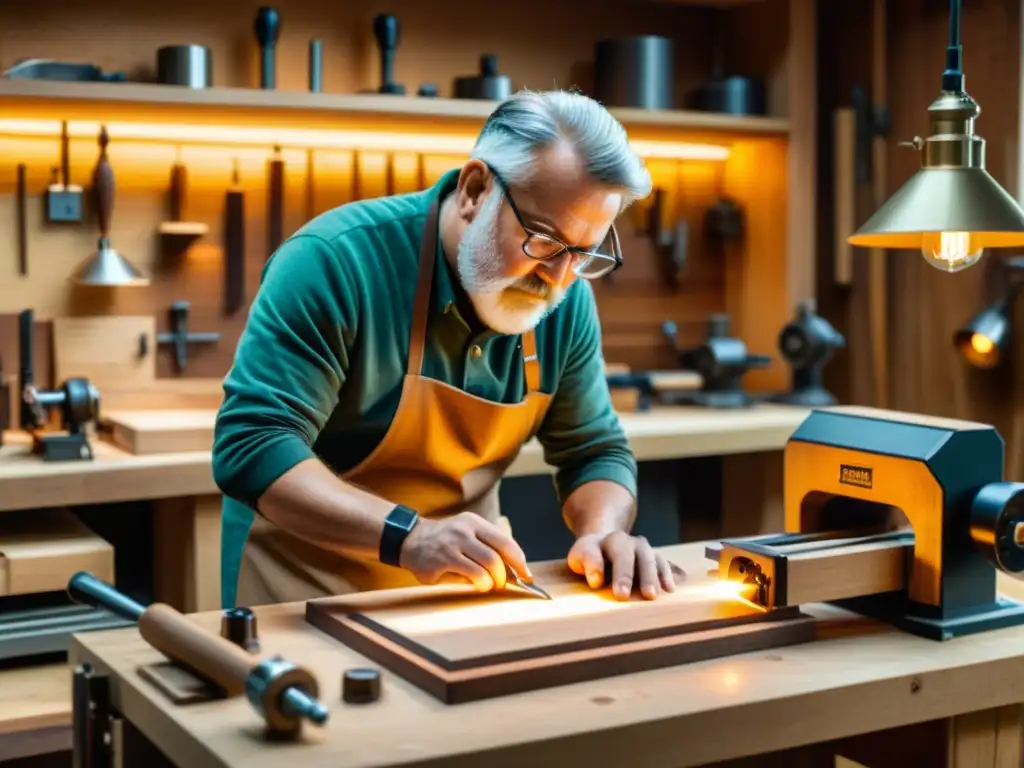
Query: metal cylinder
[
  {"x": 316, "y": 66},
  {"x": 188, "y": 65},
  {"x": 635, "y": 72}
]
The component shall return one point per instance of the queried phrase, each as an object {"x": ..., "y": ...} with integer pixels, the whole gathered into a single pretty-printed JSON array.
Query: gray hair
[{"x": 529, "y": 121}]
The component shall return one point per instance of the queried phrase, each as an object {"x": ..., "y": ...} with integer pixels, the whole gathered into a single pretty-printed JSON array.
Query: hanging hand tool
[
  {"x": 275, "y": 202},
  {"x": 106, "y": 267},
  {"x": 234, "y": 245},
  {"x": 177, "y": 228},
  {"x": 63, "y": 200},
  {"x": 282, "y": 693},
  {"x": 22, "y": 224},
  {"x": 268, "y": 31}
]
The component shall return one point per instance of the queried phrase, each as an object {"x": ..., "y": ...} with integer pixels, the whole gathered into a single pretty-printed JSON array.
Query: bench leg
[
  {"x": 993, "y": 738},
  {"x": 186, "y": 544}
]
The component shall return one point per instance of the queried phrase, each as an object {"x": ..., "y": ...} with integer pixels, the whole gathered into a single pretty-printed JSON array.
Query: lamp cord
[{"x": 953, "y": 76}]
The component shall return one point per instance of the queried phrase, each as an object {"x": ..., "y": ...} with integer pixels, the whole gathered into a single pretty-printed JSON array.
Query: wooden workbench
[
  {"x": 857, "y": 677},
  {"x": 187, "y": 505}
]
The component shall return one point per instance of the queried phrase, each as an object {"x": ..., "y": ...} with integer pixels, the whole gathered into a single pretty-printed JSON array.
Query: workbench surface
[
  {"x": 857, "y": 677},
  {"x": 114, "y": 475}
]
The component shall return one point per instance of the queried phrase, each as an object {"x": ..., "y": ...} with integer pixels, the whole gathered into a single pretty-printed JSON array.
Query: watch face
[{"x": 402, "y": 517}]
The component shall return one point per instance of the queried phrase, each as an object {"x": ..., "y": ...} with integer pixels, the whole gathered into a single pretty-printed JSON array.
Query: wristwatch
[{"x": 397, "y": 525}]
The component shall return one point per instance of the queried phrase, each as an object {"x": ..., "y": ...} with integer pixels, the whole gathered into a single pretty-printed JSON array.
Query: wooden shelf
[
  {"x": 199, "y": 103},
  {"x": 34, "y": 697}
]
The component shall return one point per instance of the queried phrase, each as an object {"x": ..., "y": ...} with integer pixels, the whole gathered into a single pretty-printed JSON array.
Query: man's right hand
[{"x": 462, "y": 548}]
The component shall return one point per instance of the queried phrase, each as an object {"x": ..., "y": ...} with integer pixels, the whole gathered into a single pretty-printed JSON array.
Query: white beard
[{"x": 480, "y": 271}]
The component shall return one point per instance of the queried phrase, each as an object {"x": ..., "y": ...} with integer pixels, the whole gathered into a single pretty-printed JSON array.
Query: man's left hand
[{"x": 632, "y": 561}]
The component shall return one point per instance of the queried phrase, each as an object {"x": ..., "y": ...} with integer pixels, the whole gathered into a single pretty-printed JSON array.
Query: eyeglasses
[{"x": 545, "y": 247}]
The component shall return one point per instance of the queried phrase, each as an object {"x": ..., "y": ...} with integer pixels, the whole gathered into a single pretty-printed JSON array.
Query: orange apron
[{"x": 444, "y": 453}]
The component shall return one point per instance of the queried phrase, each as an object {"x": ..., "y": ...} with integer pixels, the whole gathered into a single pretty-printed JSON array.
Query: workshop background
[{"x": 215, "y": 130}]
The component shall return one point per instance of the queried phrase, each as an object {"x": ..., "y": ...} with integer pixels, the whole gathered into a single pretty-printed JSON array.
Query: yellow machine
[{"x": 897, "y": 516}]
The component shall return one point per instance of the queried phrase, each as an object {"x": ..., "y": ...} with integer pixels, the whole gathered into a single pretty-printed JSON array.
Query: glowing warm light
[
  {"x": 730, "y": 679},
  {"x": 951, "y": 251},
  {"x": 424, "y": 143},
  {"x": 480, "y": 611},
  {"x": 981, "y": 344}
]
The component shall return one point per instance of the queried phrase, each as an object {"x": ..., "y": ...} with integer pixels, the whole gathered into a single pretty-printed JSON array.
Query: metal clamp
[
  {"x": 180, "y": 336},
  {"x": 92, "y": 738}
]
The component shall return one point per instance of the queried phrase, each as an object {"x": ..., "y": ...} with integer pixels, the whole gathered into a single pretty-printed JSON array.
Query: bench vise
[{"x": 896, "y": 516}]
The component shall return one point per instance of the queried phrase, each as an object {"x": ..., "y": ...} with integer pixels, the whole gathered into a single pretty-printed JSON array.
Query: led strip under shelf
[{"x": 370, "y": 141}]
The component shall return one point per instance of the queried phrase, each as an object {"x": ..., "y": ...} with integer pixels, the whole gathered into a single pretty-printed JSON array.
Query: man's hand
[
  {"x": 631, "y": 559},
  {"x": 459, "y": 549}
]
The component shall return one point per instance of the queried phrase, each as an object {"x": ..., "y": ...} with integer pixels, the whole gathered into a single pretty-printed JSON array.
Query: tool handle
[
  {"x": 185, "y": 642},
  {"x": 65, "y": 162},
  {"x": 103, "y": 185},
  {"x": 179, "y": 183},
  {"x": 86, "y": 589}
]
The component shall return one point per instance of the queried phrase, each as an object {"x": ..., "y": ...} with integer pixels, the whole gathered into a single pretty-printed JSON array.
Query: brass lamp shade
[
  {"x": 945, "y": 200},
  {"x": 951, "y": 193},
  {"x": 107, "y": 267}
]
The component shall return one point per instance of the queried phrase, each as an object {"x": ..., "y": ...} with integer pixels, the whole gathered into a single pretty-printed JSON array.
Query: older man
[{"x": 400, "y": 352}]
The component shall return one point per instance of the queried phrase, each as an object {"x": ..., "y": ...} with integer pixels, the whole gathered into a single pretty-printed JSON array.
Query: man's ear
[{"x": 475, "y": 182}]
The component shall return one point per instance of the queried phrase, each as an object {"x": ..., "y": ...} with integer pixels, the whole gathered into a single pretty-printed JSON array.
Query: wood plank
[
  {"x": 143, "y": 433},
  {"x": 40, "y": 550},
  {"x": 34, "y": 697},
  {"x": 861, "y": 677},
  {"x": 461, "y": 646}
]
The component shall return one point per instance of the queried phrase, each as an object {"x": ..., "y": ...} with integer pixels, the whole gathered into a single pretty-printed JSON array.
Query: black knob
[
  {"x": 268, "y": 29},
  {"x": 386, "y": 30},
  {"x": 427, "y": 89},
  {"x": 239, "y": 626},
  {"x": 267, "y": 26},
  {"x": 360, "y": 685}
]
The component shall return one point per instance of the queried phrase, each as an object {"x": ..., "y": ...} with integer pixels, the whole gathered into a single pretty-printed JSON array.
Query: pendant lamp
[{"x": 951, "y": 209}]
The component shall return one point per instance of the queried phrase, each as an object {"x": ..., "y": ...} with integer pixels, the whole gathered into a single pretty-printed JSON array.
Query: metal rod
[{"x": 953, "y": 76}]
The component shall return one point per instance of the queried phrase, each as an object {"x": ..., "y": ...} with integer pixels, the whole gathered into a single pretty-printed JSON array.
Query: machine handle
[{"x": 86, "y": 589}]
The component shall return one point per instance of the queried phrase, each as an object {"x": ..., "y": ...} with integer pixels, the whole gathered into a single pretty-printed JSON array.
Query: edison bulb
[{"x": 950, "y": 251}]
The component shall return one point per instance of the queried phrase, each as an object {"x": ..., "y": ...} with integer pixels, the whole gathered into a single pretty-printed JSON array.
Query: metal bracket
[
  {"x": 180, "y": 336},
  {"x": 92, "y": 738},
  {"x": 872, "y": 122}
]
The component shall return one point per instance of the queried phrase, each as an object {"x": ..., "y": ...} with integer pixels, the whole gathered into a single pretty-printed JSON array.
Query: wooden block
[
  {"x": 41, "y": 549},
  {"x": 823, "y": 567},
  {"x": 105, "y": 349},
  {"x": 178, "y": 684},
  {"x": 462, "y": 646},
  {"x": 158, "y": 431}
]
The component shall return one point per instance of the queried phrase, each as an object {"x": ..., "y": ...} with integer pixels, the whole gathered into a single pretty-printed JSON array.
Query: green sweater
[{"x": 318, "y": 370}]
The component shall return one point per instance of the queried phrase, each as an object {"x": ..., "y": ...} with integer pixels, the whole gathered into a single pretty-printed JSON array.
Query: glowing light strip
[{"x": 371, "y": 141}]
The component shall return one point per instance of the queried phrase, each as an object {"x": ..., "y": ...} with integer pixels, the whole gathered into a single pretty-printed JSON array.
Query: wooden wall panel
[
  {"x": 433, "y": 49},
  {"x": 926, "y": 306}
]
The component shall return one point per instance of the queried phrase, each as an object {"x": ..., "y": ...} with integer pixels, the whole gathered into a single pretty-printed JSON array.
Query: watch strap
[{"x": 397, "y": 525}]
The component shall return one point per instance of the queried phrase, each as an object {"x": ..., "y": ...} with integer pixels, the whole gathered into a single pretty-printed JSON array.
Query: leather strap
[
  {"x": 424, "y": 281},
  {"x": 531, "y": 363},
  {"x": 421, "y": 308}
]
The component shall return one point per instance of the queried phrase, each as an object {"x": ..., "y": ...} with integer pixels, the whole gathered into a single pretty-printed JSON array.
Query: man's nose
[{"x": 557, "y": 272}]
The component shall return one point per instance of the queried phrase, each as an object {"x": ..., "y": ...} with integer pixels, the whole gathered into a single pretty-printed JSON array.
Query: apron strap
[
  {"x": 421, "y": 302},
  {"x": 421, "y": 309}
]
